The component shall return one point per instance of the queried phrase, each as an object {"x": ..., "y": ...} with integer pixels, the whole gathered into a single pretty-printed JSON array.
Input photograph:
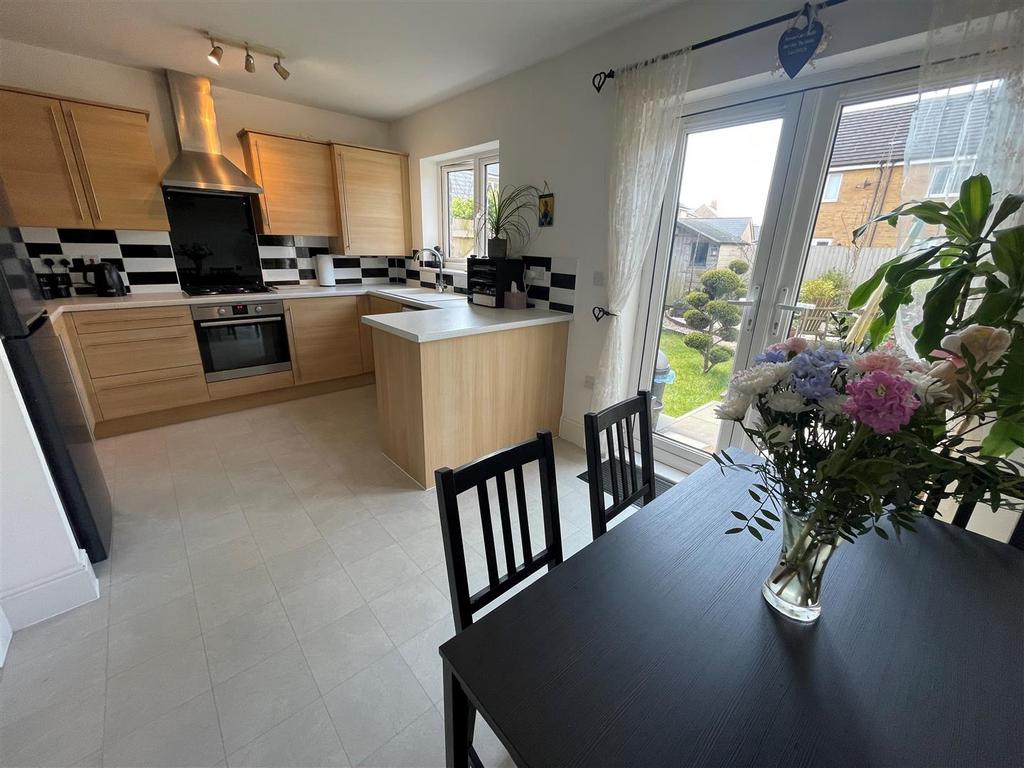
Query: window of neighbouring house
[
  {"x": 944, "y": 179},
  {"x": 468, "y": 190},
  {"x": 833, "y": 182},
  {"x": 700, "y": 253},
  {"x": 821, "y": 241}
]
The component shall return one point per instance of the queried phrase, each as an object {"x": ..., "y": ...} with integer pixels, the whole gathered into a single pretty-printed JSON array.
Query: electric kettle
[{"x": 106, "y": 279}]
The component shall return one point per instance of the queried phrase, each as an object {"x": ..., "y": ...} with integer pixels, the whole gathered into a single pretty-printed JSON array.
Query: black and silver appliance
[
  {"x": 213, "y": 236},
  {"x": 239, "y": 340},
  {"x": 105, "y": 279},
  {"x": 44, "y": 378}
]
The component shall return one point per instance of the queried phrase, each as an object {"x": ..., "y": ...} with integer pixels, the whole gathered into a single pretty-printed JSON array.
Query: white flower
[
  {"x": 986, "y": 343},
  {"x": 759, "y": 379},
  {"x": 734, "y": 407},
  {"x": 928, "y": 388},
  {"x": 780, "y": 434},
  {"x": 787, "y": 402},
  {"x": 832, "y": 407}
]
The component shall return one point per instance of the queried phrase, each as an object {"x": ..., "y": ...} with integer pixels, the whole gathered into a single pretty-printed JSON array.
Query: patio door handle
[
  {"x": 742, "y": 302},
  {"x": 800, "y": 306},
  {"x": 749, "y": 304},
  {"x": 784, "y": 306}
]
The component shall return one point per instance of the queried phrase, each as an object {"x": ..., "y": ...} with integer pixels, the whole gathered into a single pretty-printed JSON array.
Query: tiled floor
[{"x": 275, "y": 597}]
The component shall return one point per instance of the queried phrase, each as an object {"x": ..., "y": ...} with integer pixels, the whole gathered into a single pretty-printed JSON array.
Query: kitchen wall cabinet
[
  {"x": 298, "y": 183},
  {"x": 69, "y": 164},
  {"x": 324, "y": 338},
  {"x": 373, "y": 196}
]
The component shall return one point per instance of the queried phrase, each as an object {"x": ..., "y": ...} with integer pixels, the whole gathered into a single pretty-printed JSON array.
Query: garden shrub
[
  {"x": 739, "y": 266},
  {"x": 696, "y": 319},
  {"x": 720, "y": 283},
  {"x": 697, "y": 299}
]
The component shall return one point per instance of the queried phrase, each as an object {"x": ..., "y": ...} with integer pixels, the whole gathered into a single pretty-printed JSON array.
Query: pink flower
[
  {"x": 879, "y": 361},
  {"x": 795, "y": 344},
  {"x": 882, "y": 401}
]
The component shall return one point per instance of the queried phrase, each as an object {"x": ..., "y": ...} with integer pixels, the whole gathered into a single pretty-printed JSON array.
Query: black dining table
[{"x": 652, "y": 646}]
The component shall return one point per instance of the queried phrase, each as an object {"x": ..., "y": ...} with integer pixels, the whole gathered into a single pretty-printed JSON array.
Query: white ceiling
[{"x": 376, "y": 58}]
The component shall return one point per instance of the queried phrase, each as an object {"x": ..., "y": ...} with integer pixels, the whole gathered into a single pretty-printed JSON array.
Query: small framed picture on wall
[{"x": 546, "y": 209}]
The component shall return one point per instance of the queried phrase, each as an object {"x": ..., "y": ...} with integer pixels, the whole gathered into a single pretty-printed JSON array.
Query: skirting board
[
  {"x": 6, "y": 633},
  {"x": 45, "y": 600},
  {"x": 572, "y": 431}
]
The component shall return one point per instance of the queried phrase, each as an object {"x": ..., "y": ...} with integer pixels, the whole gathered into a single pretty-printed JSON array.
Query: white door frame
[{"x": 810, "y": 119}]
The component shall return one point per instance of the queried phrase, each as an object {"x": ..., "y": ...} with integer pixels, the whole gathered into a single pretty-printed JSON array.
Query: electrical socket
[
  {"x": 535, "y": 274},
  {"x": 588, "y": 382},
  {"x": 599, "y": 279}
]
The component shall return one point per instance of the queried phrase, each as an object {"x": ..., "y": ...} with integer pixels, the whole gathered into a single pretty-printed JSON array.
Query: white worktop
[
  {"x": 416, "y": 297},
  {"x": 458, "y": 320},
  {"x": 441, "y": 315}
]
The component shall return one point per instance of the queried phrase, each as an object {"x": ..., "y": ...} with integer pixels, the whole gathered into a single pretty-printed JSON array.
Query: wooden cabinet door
[
  {"x": 118, "y": 167},
  {"x": 39, "y": 181},
  {"x": 372, "y": 305},
  {"x": 298, "y": 185},
  {"x": 373, "y": 191},
  {"x": 324, "y": 336}
]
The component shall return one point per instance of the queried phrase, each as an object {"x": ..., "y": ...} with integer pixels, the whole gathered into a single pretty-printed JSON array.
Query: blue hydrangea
[
  {"x": 813, "y": 371},
  {"x": 772, "y": 356}
]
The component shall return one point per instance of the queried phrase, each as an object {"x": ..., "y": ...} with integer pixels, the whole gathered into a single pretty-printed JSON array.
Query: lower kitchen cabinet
[
  {"x": 372, "y": 305},
  {"x": 134, "y": 393},
  {"x": 324, "y": 338}
]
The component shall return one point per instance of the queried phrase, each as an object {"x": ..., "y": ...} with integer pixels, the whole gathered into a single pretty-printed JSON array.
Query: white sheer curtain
[{"x": 646, "y": 131}]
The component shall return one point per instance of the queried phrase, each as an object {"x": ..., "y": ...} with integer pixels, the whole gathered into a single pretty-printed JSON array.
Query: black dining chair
[
  {"x": 965, "y": 511},
  {"x": 476, "y": 475},
  {"x": 628, "y": 481}
]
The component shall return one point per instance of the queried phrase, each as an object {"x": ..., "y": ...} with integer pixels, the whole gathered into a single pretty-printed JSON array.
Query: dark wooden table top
[{"x": 653, "y": 647}]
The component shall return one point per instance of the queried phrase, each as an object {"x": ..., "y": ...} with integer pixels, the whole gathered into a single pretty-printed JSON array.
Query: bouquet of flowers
[{"x": 853, "y": 436}]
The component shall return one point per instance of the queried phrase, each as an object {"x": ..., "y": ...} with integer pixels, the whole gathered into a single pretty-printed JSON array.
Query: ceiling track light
[
  {"x": 216, "y": 53},
  {"x": 250, "y": 62},
  {"x": 279, "y": 68}
]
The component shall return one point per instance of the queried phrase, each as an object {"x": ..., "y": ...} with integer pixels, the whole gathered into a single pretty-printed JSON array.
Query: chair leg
[{"x": 459, "y": 719}]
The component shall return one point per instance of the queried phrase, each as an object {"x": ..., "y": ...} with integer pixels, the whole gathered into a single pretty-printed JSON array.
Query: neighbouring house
[
  {"x": 866, "y": 174},
  {"x": 703, "y": 243}
]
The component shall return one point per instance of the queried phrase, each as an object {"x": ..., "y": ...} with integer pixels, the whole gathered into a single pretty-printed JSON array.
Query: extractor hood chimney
[{"x": 200, "y": 164}]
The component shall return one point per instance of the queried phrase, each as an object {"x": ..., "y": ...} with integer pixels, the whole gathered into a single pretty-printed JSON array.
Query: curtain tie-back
[{"x": 600, "y": 313}]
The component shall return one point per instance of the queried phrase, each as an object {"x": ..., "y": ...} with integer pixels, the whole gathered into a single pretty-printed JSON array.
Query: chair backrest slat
[
  {"x": 965, "y": 511},
  {"x": 488, "y": 531},
  {"x": 524, "y": 520},
  {"x": 450, "y": 483},
  {"x": 631, "y": 481}
]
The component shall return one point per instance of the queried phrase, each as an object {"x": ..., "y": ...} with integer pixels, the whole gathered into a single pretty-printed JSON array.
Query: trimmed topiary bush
[
  {"x": 697, "y": 299},
  {"x": 696, "y": 319},
  {"x": 720, "y": 283},
  {"x": 739, "y": 266},
  {"x": 719, "y": 355},
  {"x": 698, "y": 340},
  {"x": 722, "y": 312}
]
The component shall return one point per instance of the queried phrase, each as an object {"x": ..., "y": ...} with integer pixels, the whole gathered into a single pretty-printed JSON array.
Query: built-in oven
[{"x": 239, "y": 340}]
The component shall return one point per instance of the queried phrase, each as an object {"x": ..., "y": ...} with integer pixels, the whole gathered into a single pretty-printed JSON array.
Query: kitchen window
[
  {"x": 833, "y": 183},
  {"x": 468, "y": 190}
]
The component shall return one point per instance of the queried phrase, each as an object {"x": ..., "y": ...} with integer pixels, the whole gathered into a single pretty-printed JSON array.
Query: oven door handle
[{"x": 240, "y": 321}]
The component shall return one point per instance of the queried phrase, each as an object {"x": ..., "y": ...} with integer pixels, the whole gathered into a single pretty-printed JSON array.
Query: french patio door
[{"x": 754, "y": 243}]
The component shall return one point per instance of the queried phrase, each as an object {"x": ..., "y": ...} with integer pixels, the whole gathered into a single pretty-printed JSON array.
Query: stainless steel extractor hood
[{"x": 200, "y": 164}]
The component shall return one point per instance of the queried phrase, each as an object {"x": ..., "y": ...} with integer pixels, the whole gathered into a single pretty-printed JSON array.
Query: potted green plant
[{"x": 508, "y": 216}]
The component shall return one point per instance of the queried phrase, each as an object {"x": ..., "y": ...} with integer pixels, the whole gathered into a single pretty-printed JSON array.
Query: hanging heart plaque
[{"x": 798, "y": 45}]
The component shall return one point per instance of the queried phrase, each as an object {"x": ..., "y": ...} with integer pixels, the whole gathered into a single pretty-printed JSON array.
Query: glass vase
[{"x": 793, "y": 588}]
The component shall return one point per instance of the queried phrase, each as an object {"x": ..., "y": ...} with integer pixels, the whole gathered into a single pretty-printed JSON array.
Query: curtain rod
[{"x": 599, "y": 79}]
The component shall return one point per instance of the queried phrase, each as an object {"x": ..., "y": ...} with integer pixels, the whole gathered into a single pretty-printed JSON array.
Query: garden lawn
[{"x": 692, "y": 387}]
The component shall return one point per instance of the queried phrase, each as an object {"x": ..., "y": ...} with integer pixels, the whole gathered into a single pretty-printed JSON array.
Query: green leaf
[
  {"x": 756, "y": 534},
  {"x": 734, "y": 530},
  {"x": 1004, "y": 437},
  {"x": 863, "y": 291},
  {"x": 770, "y": 515},
  {"x": 939, "y": 305},
  {"x": 976, "y": 202},
  {"x": 896, "y": 271},
  {"x": 739, "y": 515},
  {"x": 1008, "y": 254},
  {"x": 1010, "y": 205},
  {"x": 881, "y": 532},
  {"x": 764, "y": 523},
  {"x": 995, "y": 306}
]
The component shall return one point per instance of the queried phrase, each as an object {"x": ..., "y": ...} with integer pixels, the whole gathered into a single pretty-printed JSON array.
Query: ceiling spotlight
[
  {"x": 279, "y": 68},
  {"x": 216, "y": 53},
  {"x": 250, "y": 62}
]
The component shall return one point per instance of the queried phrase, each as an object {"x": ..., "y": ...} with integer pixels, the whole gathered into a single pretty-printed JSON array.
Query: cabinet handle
[
  {"x": 90, "y": 189},
  {"x": 344, "y": 205},
  {"x": 92, "y": 344},
  {"x": 292, "y": 351},
  {"x": 144, "y": 383},
  {"x": 266, "y": 199},
  {"x": 67, "y": 161}
]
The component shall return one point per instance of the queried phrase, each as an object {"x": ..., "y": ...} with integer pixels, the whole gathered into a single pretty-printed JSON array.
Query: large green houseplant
[{"x": 508, "y": 218}]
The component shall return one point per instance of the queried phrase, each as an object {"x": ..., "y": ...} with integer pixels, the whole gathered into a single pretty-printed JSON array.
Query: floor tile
[
  {"x": 147, "y": 592},
  {"x": 369, "y": 709},
  {"x": 382, "y": 571},
  {"x": 320, "y": 602},
  {"x": 52, "y": 635},
  {"x": 403, "y": 522},
  {"x": 60, "y": 734},
  {"x": 489, "y": 748},
  {"x": 357, "y": 541},
  {"x": 188, "y": 735},
  {"x": 344, "y": 647},
  {"x": 153, "y": 633},
  {"x": 216, "y": 562},
  {"x": 305, "y": 739},
  {"x": 39, "y": 682},
  {"x": 291, "y": 570},
  {"x": 230, "y": 596},
  {"x": 422, "y": 656},
  {"x": 406, "y": 611},
  {"x": 286, "y": 536},
  {"x": 246, "y": 640},
  {"x": 202, "y": 532},
  {"x": 145, "y": 560},
  {"x": 137, "y": 697},
  {"x": 425, "y": 547},
  {"x": 419, "y": 745},
  {"x": 254, "y": 701}
]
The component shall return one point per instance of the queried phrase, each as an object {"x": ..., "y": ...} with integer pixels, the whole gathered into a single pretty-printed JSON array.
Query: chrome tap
[{"x": 440, "y": 286}]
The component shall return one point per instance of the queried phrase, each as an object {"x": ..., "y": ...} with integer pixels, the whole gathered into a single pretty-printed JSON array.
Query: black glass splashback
[{"x": 213, "y": 237}]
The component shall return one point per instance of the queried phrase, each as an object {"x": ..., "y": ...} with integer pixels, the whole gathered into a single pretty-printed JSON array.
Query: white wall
[
  {"x": 63, "y": 74},
  {"x": 553, "y": 127},
  {"x": 42, "y": 570}
]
